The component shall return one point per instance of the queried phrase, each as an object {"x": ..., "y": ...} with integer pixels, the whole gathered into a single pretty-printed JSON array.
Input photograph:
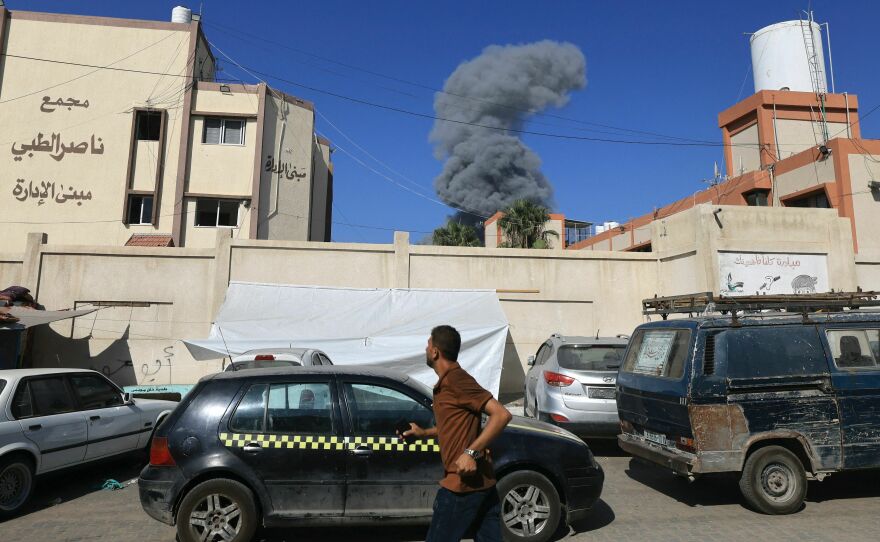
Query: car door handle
[
  {"x": 94, "y": 418},
  {"x": 35, "y": 427},
  {"x": 252, "y": 447},
  {"x": 362, "y": 451}
]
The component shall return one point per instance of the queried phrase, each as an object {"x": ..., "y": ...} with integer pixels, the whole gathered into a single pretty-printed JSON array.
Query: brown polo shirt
[{"x": 458, "y": 407}]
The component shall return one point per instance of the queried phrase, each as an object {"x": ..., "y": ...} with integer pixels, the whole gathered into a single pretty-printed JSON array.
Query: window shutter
[
  {"x": 212, "y": 131},
  {"x": 233, "y": 132}
]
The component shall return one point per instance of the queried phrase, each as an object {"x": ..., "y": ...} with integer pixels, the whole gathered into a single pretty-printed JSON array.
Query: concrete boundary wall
[{"x": 151, "y": 298}]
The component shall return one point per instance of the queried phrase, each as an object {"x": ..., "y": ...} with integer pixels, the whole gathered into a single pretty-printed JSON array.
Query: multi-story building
[
  {"x": 116, "y": 132},
  {"x": 791, "y": 144}
]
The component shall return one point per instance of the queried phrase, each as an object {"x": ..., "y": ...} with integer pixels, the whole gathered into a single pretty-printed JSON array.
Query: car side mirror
[
  {"x": 531, "y": 361},
  {"x": 127, "y": 398}
]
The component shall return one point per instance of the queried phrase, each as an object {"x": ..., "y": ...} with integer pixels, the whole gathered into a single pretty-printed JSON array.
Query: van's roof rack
[{"x": 703, "y": 303}]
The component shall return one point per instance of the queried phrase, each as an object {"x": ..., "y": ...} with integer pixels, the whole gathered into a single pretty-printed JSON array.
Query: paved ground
[{"x": 639, "y": 503}]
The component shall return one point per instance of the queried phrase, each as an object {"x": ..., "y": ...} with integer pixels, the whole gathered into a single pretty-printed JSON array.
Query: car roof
[
  {"x": 294, "y": 351},
  {"x": 590, "y": 341},
  {"x": 348, "y": 370},
  {"x": 21, "y": 373},
  {"x": 770, "y": 318}
]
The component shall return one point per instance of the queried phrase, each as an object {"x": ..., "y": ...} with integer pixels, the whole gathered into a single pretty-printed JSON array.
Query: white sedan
[{"x": 51, "y": 419}]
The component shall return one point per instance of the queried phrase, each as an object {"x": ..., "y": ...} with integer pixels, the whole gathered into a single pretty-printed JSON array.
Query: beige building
[{"x": 123, "y": 136}]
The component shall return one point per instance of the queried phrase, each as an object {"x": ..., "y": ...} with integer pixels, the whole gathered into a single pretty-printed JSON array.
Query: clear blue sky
[{"x": 666, "y": 67}]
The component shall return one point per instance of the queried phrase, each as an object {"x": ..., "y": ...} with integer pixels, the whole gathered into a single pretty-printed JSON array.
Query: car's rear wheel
[
  {"x": 218, "y": 510},
  {"x": 773, "y": 481},
  {"x": 530, "y": 507},
  {"x": 16, "y": 484}
]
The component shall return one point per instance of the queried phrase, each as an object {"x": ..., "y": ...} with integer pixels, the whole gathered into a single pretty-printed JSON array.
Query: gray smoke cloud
[{"x": 485, "y": 169}]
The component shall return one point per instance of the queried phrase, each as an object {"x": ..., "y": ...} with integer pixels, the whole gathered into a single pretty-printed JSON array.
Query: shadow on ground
[
  {"x": 343, "y": 534},
  {"x": 70, "y": 484},
  {"x": 724, "y": 489}
]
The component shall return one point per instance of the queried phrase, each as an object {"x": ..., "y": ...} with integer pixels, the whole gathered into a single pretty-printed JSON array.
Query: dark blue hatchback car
[
  {"x": 318, "y": 446},
  {"x": 779, "y": 399}
]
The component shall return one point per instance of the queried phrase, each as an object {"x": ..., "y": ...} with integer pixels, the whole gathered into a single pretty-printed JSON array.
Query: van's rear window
[
  {"x": 658, "y": 352},
  {"x": 590, "y": 358}
]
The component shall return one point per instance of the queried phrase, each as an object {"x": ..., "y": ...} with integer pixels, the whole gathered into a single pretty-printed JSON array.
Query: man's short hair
[{"x": 447, "y": 340}]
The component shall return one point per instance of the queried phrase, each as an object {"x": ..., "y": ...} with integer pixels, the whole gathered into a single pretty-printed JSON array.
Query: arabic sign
[
  {"x": 55, "y": 147},
  {"x": 46, "y": 191},
  {"x": 283, "y": 169},
  {"x": 48, "y": 106},
  {"x": 654, "y": 352},
  {"x": 751, "y": 273}
]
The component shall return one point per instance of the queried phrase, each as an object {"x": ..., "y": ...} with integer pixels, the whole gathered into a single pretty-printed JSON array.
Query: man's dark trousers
[{"x": 457, "y": 514}]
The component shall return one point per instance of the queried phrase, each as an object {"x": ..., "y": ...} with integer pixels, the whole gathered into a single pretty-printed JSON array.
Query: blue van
[{"x": 778, "y": 398}]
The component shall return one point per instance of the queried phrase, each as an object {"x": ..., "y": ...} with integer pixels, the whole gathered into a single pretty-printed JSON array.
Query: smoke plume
[{"x": 487, "y": 169}]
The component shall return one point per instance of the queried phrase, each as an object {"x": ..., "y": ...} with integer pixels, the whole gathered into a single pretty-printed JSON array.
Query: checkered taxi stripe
[{"x": 317, "y": 442}]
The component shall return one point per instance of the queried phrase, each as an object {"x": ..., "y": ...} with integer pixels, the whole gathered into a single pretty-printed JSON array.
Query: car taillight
[
  {"x": 557, "y": 380},
  {"x": 264, "y": 357},
  {"x": 160, "y": 455},
  {"x": 558, "y": 418}
]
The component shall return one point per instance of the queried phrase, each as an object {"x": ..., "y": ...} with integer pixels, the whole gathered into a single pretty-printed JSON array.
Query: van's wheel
[
  {"x": 217, "y": 510},
  {"x": 16, "y": 484},
  {"x": 773, "y": 481},
  {"x": 530, "y": 507}
]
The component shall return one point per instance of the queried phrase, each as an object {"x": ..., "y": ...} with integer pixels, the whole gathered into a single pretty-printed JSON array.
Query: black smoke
[{"x": 487, "y": 169}]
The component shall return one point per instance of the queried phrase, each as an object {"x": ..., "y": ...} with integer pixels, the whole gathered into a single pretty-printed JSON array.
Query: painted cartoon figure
[
  {"x": 769, "y": 280},
  {"x": 733, "y": 286},
  {"x": 804, "y": 284}
]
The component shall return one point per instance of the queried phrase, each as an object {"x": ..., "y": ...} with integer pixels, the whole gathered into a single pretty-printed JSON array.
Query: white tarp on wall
[
  {"x": 751, "y": 273},
  {"x": 387, "y": 327}
]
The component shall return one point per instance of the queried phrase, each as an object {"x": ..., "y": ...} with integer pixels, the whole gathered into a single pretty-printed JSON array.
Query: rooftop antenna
[
  {"x": 220, "y": 329},
  {"x": 597, "y": 334}
]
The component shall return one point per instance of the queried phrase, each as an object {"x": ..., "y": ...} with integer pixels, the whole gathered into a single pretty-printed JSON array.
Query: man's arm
[
  {"x": 499, "y": 417},
  {"x": 418, "y": 432}
]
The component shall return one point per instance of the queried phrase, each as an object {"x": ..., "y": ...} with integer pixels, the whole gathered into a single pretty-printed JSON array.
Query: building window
[
  {"x": 223, "y": 132},
  {"x": 212, "y": 213},
  {"x": 148, "y": 124},
  {"x": 140, "y": 209},
  {"x": 757, "y": 198},
  {"x": 576, "y": 231},
  {"x": 816, "y": 200}
]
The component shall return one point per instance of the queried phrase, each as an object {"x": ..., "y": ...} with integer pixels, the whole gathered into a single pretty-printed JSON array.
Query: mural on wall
[
  {"x": 751, "y": 273},
  {"x": 283, "y": 169}
]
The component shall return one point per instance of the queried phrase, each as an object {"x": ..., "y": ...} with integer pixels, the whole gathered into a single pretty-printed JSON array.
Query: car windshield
[
  {"x": 262, "y": 364},
  {"x": 582, "y": 357}
]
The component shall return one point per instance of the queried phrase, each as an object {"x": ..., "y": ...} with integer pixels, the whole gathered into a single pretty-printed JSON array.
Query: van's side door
[
  {"x": 780, "y": 377},
  {"x": 855, "y": 353}
]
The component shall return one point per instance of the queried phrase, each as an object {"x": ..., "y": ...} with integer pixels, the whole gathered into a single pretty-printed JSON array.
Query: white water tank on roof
[
  {"x": 181, "y": 14},
  {"x": 789, "y": 55}
]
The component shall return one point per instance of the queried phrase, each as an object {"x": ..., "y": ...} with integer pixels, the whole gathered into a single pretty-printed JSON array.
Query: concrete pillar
[
  {"x": 222, "y": 270},
  {"x": 32, "y": 262},
  {"x": 401, "y": 260}
]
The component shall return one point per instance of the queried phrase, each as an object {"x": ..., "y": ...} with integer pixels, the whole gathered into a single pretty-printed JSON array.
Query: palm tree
[
  {"x": 523, "y": 225},
  {"x": 454, "y": 234}
]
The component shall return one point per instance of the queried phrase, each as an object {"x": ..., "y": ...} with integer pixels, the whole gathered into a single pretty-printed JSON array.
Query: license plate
[
  {"x": 600, "y": 393},
  {"x": 655, "y": 438}
]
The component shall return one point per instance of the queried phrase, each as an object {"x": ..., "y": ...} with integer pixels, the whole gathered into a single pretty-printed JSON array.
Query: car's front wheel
[
  {"x": 217, "y": 510},
  {"x": 16, "y": 484},
  {"x": 530, "y": 507}
]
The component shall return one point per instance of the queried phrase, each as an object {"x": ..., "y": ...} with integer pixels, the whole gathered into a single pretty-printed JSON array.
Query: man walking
[{"x": 467, "y": 500}]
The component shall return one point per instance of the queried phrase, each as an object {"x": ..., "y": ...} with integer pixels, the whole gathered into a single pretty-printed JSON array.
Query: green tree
[
  {"x": 524, "y": 225},
  {"x": 454, "y": 234}
]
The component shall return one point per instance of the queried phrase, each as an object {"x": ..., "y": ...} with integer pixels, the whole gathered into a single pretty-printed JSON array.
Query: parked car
[
  {"x": 266, "y": 358},
  {"x": 318, "y": 446},
  {"x": 52, "y": 419},
  {"x": 777, "y": 399},
  {"x": 571, "y": 383}
]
